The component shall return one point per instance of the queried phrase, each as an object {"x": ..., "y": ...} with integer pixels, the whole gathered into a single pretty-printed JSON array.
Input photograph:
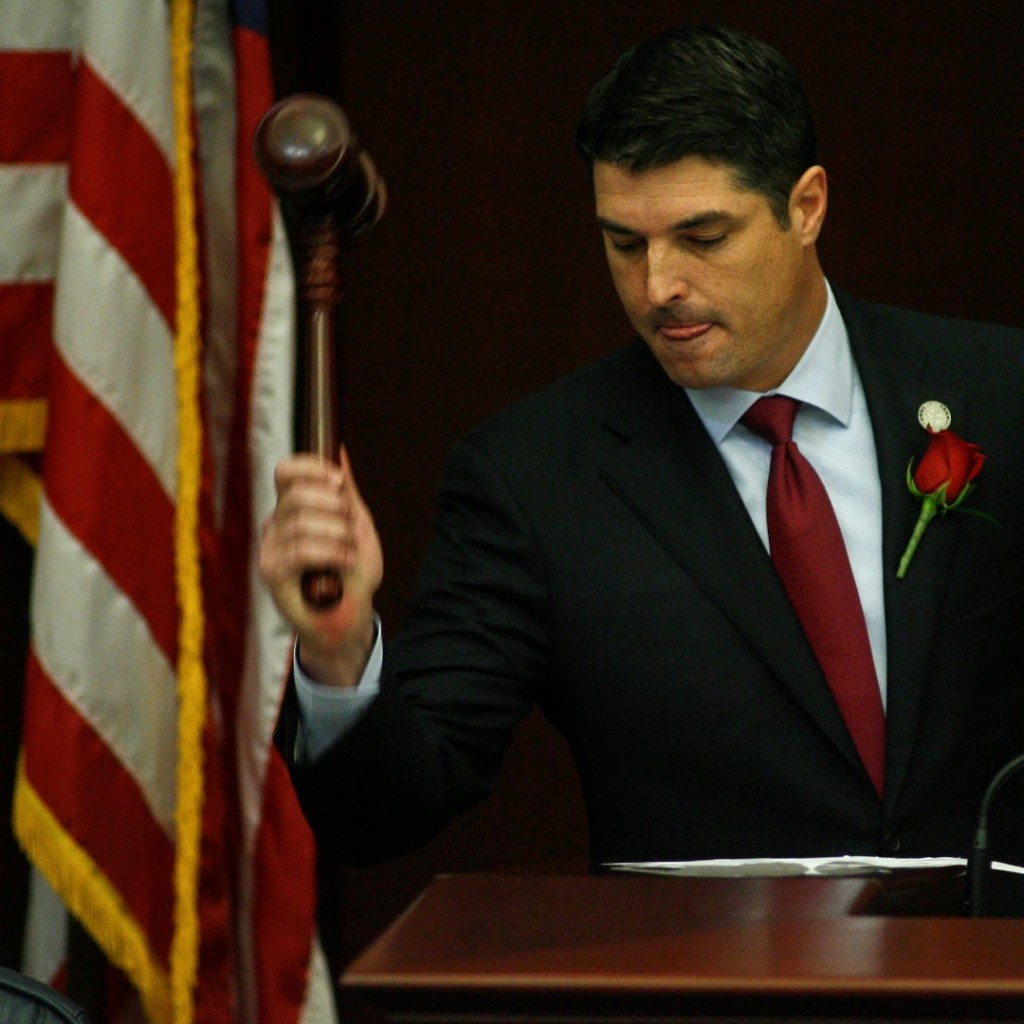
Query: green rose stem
[{"x": 930, "y": 504}]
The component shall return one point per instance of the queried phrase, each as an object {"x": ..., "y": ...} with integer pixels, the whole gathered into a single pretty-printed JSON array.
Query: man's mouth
[{"x": 679, "y": 331}]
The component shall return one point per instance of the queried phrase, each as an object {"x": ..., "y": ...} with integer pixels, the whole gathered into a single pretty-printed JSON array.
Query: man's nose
[{"x": 667, "y": 279}]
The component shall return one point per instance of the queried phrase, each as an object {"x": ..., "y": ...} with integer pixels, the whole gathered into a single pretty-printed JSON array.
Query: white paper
[{"x": 776, "y": 867}]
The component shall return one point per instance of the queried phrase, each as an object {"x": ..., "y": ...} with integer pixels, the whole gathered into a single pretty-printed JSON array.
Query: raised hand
[{"x": 321, "y": 522}]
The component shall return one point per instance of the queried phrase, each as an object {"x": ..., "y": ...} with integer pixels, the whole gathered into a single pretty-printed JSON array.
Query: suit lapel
[
  {"x": 666, "y": 469},
  {"x": 897, "y": 377}
]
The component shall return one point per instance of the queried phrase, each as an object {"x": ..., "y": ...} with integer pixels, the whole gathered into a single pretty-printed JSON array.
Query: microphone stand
[{"x": 979, "y": 863}]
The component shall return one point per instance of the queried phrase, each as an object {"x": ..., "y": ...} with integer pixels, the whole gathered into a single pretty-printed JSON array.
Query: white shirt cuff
[{"x": 326, "y": 713}]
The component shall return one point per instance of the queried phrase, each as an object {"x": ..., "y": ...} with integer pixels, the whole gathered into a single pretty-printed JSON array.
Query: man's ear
[{"x": 808, "y": 203}]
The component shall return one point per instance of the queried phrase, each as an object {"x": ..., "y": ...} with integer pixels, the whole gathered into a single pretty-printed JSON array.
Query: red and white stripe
[
  {"x": 100, "y": 757},
  {"x": 35, "y": 92}
]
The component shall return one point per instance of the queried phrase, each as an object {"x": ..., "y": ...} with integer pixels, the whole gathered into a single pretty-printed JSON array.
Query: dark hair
[{"x": 705, "y": 91}]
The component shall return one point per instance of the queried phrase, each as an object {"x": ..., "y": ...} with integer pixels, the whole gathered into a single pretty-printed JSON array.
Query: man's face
[{"x": 720, "y": 292}]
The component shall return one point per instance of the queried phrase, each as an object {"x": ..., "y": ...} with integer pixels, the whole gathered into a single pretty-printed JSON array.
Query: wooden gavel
[{"x": 331, "y": 197}]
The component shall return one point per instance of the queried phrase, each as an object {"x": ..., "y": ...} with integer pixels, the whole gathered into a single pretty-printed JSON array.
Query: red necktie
[{"x": 810, "y": 557}]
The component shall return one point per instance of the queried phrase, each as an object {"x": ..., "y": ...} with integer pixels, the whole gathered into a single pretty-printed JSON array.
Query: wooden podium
[{"x": 640, "y": 948}]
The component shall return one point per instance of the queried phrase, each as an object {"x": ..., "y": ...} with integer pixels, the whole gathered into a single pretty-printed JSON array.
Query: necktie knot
[{"x": 772, "y": 418}]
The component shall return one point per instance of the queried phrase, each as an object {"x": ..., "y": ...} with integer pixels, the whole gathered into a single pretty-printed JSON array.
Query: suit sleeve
[{"x": 456, "y": 681}]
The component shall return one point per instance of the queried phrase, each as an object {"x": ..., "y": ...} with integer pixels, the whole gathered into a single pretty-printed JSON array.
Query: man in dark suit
[{"x": 605, "y": 548}]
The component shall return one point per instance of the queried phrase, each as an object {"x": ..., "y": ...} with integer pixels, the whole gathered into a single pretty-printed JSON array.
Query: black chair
[{"x": 26, "y": 1001}]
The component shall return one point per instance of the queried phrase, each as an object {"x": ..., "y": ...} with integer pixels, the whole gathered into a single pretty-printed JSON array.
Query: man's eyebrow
[{"x": 697, "y": 221}]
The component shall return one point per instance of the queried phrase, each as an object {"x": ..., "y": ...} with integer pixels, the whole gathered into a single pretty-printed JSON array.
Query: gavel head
[{"x": 313, "y": 161}]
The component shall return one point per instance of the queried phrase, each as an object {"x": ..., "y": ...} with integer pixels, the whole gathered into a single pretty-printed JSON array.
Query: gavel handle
[{"x": 321, "y": 588}]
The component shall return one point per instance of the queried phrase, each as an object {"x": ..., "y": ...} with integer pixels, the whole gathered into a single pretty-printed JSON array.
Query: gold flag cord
[{"x": 192, "y": 685}]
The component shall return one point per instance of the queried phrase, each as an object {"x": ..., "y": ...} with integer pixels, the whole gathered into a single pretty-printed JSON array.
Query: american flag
[{"x": 146, "y": 313}]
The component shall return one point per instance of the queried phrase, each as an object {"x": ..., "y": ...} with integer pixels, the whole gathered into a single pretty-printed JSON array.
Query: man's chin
[{"x": 687, "y": 364}]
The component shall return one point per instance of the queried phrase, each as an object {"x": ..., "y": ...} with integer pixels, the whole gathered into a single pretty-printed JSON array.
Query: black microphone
[{"x": 979, "y": 863}]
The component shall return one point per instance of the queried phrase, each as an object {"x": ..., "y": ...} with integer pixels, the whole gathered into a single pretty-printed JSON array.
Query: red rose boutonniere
[{"x": 942, "y": 481}]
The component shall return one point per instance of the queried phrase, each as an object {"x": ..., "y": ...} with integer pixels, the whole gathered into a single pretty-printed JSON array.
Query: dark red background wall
[{"x": 486, "y": 280}]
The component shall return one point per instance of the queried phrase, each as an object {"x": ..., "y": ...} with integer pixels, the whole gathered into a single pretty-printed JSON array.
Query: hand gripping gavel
[{"x": 331, "y": 197}]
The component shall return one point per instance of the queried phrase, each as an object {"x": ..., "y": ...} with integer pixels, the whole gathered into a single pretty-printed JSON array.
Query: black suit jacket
[{"x": 592, "y": 554}]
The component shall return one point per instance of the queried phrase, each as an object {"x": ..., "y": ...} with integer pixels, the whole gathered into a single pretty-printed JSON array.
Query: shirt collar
[{"x": 823, "y": 378}]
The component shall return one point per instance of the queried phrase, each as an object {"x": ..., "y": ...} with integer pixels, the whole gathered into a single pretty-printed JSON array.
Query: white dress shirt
[{"x": 832, "y": 429}]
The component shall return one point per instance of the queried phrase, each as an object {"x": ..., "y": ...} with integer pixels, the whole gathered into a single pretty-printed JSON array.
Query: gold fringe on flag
[
  {"x": 22, "y": 424},
  {"x": 89, "y": 895},
  {"x": 21, "y": 495},
  {"x": 191, "y": 670}
]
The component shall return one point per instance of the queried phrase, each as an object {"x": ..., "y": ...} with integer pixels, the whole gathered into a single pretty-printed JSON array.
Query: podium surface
[{"x": 521, "y": 948}]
